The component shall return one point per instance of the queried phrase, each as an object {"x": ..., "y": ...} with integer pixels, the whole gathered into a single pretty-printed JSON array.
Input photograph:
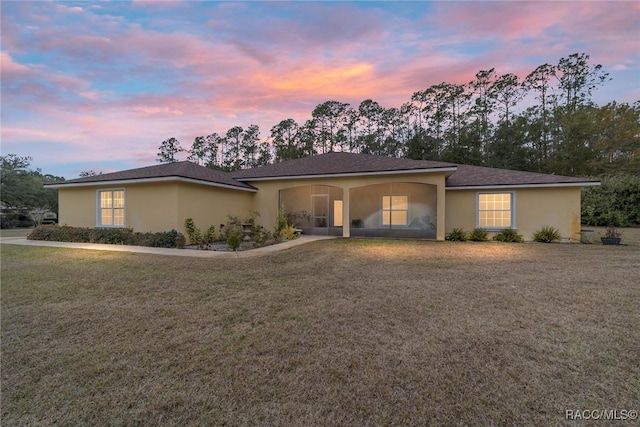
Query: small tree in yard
[
  {"x": 193, "y": 232},
  {"x": 281, "y": 220},
  {"x": 234, "y": 240},
  {"x": 283, "y": 230}
]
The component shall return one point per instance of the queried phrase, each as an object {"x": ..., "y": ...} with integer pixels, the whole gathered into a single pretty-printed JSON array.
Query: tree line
[
  {"x": 546, "y": 122},
  {"x": 24, "y": 199}
]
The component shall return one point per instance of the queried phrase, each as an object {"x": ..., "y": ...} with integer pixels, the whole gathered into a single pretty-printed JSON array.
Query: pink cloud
[
  {"x": 155, "y": 4},
  {"x": 10, "y": 68},
  {"x": 541, "y": 26},
  {"x": 241, "y": 70}
]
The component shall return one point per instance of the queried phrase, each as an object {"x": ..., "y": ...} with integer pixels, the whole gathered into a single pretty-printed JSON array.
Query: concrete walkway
[{"x": 162, "y": 251}]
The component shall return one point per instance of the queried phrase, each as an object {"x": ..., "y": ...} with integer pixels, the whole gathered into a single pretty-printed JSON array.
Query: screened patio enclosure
[
  {"x": 398, "y": 209},
  {"x": 315, "y": 209}
]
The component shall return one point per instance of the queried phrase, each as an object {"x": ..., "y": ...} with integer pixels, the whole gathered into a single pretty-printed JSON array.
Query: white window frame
[
  {"x": 513, "y": 210},
  {"x": 391, "y": 210},
  {"x": 99, "y": 208}
]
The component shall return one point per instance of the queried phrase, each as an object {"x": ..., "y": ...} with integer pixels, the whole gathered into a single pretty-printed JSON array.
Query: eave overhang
[
  {"x": 448, "y": 171},
  {"x": 147, "y": 180},
  {"x": 508, "y": 186}
]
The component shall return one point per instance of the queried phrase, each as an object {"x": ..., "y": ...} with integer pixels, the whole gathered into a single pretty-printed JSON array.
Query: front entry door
[{"x": 319, "y": 210}]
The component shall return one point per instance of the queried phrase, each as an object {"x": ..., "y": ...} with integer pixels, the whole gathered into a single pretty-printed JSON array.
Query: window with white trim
[
  {"x": 110, "y": 208},
  {"x": 495, "y": 210},
  {"x": 395, "y": 210}
]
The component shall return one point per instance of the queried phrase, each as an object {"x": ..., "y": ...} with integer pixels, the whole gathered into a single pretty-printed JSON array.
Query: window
[
  {"x": 395, "y": 210},
  {"x": 111, "y": 208},
  {"x": 495, "y": 210}
]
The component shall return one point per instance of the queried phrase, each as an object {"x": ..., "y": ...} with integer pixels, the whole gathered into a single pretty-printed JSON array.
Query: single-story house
[{"x": 343, "y": 194}]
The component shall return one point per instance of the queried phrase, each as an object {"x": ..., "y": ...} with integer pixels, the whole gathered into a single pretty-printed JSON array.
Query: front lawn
[{"x": 336, "y": 332}]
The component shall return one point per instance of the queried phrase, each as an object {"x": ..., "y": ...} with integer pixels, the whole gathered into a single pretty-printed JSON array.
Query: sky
[{"x": 99, "y": 85}]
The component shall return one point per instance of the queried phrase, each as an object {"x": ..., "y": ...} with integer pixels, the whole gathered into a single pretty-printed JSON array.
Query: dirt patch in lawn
[{"x": 337, "y": 332}]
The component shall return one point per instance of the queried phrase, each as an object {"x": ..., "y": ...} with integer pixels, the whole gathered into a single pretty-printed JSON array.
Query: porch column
[
  {"x": 346, "y": 223},
  {"x": 440, "y": 200}
]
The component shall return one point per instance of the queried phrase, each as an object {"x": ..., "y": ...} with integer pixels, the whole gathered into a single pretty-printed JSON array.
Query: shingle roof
[
  {"x": 337, "y": 164},
  {"x": 184, "y": 169},
  {"x": 478, "y": 176},
  {"x": 461, "y": 176}
]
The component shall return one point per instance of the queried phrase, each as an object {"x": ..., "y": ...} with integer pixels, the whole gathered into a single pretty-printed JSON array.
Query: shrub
[
  {"x": 15, "y": 220},
  {"x": 120, "y": 236},
  {"x": 282, "y": 221},
  {"x": 287, "y": 233},
  {"x": 112, "y": 236},
  {"x": 166, "y": 239},
  {"x": 193, "y": 232},
  {"x": 547, "y": 234},
  {"x": 61, "y": 234},
  {"x": 478, "y": 235},
  {"x": 234, "y": 240},
  {"x": 252, "y": 220},
  {"x": 250, "y": 233},
  {"x": 508, "y": 235},
  {"x": 211, "y": 235},
  {"x": 234, "y": 224},
  {"x": 616, "y": 202},
  {"x": 283, "y": 230},
  {"x": 457, "y": 235},
  {"x": 613, "y": 233},
  {"x": 263, "y": 237},
  {"x": 197, "y": 238}
]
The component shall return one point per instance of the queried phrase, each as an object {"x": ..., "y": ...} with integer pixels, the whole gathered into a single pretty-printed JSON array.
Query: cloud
[
  {"x": 112, "y": 80},
  {"x": 11, "y": 69}
]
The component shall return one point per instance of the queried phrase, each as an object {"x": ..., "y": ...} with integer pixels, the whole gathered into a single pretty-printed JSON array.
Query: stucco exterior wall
[
  {"x": 77, "y": 206},
  {"x": 165, "y": 206},
  {"x": 151, "y": 207},
  {"x": 534, "y": 208},
  {"x": 211, "y": 205},
  {"x": 266, "y": 199},
  {"x": 154, "y": 207}
]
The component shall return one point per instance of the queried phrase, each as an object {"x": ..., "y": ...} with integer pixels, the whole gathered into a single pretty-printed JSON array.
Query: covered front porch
[{"x": 387, "y": 209}]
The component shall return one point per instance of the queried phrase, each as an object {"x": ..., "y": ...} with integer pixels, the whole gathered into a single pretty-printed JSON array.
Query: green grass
[{"x": 338, "y": 332}]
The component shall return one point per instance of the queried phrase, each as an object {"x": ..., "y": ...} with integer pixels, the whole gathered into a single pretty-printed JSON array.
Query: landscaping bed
[{"x": 115, "y": 236}]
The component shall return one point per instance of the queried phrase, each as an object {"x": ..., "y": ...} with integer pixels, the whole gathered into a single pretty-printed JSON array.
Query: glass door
[{"x": 320, "y": 210}]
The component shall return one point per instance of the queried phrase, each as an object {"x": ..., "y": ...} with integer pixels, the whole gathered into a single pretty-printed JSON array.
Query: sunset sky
[{"x": 99, "y": 85}]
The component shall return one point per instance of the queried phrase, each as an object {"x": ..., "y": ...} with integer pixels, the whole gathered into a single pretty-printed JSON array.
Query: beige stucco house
[{"x": 341, "y": 194}]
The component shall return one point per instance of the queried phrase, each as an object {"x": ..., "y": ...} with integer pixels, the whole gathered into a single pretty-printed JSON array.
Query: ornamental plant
[
  {"x": 193, "y": 232},
  {"x": 508, "y": 235},
  {"x": 547, "y": 234},
  {"x": 283, "y": 230},
  {"x": 234, "y": 240},
  {"x": 478, "y": 235},
  {"x": 457, "y": 235}
]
